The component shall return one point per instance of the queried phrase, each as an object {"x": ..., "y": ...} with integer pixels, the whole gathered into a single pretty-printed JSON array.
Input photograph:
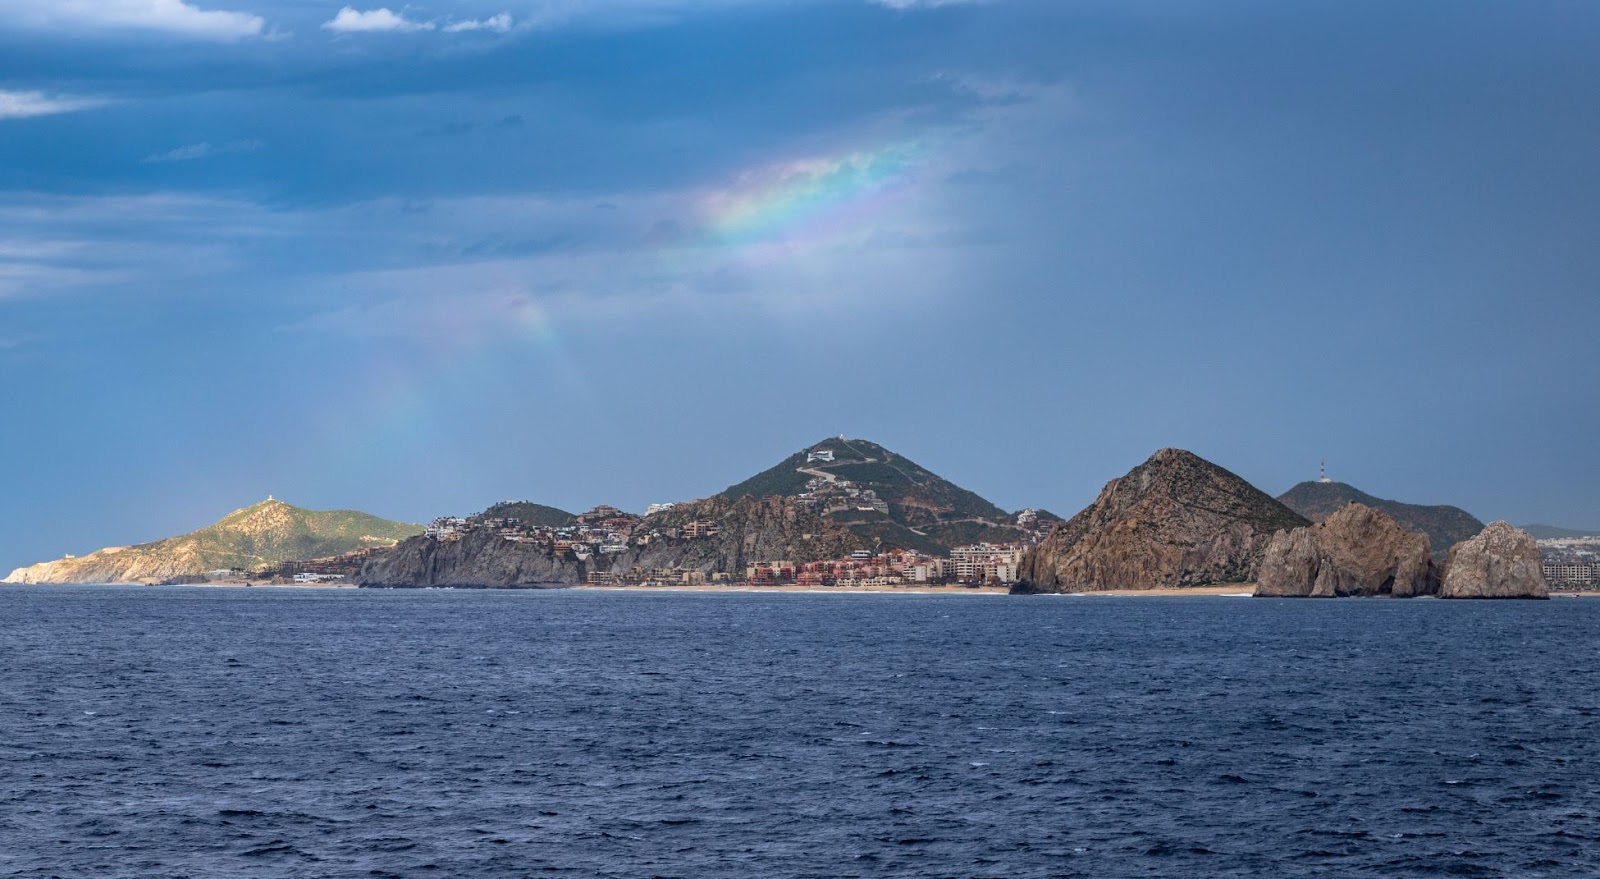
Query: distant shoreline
[{"x": 1234, "y": 590}]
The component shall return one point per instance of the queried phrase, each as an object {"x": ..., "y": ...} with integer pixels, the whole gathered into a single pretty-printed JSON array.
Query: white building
[
  {"x": 986, "y": 563},
  {"x": 1572, "y": 573}
]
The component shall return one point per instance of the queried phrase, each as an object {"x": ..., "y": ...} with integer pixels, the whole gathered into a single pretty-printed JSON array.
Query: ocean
[{"x": 213, "y": 732}]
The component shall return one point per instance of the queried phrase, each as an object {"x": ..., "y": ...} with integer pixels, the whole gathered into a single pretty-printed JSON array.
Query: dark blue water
[{"x": 256, "y": 733}]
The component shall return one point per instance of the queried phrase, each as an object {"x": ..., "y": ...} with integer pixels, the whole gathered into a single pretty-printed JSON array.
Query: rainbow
[{"x": 812, "y": 198}]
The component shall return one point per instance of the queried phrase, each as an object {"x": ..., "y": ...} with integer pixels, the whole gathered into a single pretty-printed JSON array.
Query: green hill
[
  {"x": 881, "y": 496},
  {"x": 255, "y": 538},
  {"x": 1445, "y": 525},
  {"x": 530, "y": 513}
]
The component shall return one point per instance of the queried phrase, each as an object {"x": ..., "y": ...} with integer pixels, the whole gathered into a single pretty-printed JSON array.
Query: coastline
[
  {"x": 815, "y": 590},
  {"x": 1232, "y": 590}
]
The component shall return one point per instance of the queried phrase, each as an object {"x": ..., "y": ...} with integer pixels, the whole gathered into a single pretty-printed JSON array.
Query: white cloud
[
  {"x": 203, "y": 150},
  {"x": 498, "y": 23},
  {"x": 382, "y": 20},
  {"x": 166, "y": 16},
  {"x": 22, "y": 105}
]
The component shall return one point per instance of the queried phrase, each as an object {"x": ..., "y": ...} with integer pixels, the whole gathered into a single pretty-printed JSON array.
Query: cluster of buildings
[
  {"x": 602, "y": 531},
  {"x": 1571, "y": 563},
  {"x": 979, "y": 565},
  {"x": 605, "y": 532},
  {"x": 830, "y": 494}
]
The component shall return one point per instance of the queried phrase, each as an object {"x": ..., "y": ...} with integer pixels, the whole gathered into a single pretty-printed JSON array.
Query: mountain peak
[
  {"x": 1175, "y": 520},
  {"x": 879, "y": 494}
]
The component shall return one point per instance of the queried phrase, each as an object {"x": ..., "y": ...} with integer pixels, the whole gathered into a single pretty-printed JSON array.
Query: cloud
[
  {"x": 166, "y": 16},
  {"x": 203, "y": 150},
  {"x": 497, "y": 23},
  {"x": 23, "y": 105},
  {"x": 53, "y": 245},
  {"x": 376, "y": 21}
]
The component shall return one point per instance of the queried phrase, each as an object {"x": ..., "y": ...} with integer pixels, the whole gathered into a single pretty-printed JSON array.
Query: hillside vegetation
[
  {"x": 255, "y": 538},
  {"x": 921, "y": 510}
]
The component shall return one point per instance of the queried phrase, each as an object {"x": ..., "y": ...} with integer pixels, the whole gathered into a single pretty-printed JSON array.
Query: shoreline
[
  {"x": 810, "y": 590},
  {"x": 1232, "y": 590}
]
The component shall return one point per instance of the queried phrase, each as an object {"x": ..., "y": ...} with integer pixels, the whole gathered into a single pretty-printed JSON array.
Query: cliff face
[
  {"x": 116, "y": 564},
  {"x": 752, "y": 530},
  {"x": 1444, "y": 525},
  {"x": 1356, "y": 551},
  {"x": 254, "y": 538},
  {"x": 1176, "y": 520},
  {"x": 478, "y": 559},
  {"x": 1500, "y": 562}
]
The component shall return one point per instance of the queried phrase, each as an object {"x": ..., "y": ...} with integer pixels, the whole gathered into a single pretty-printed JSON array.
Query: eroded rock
[
  {"x": 1501, "y": 562},
  {"x": 1356, "y": 551}
]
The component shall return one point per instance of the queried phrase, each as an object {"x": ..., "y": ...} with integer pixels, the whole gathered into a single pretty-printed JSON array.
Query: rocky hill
[
  {"x": 881, "y": 497},
  {"x": 1356, "y": 551},
  {"x": 1445, "y": 525},
  {"x": 252, "y": 539},
  {"x": 1176, "y": 520},
  {"x": 480, "y": 559},
  {"x": 750, "y": 530}
]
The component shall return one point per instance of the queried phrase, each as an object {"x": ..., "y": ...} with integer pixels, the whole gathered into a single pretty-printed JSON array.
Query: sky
[{"x": 416, "y": 259}]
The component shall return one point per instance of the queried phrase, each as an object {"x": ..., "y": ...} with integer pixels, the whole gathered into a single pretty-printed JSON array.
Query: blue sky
[{"x": 416, "y": 259}]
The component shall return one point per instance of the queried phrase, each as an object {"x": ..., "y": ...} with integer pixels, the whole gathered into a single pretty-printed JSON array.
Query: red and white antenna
[{"x": 1322, "y": 473}]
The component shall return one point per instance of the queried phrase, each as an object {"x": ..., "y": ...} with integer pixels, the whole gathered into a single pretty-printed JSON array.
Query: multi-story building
[
  {"x": 985, "y": 563},
  {"x": 1582, "y": 575}
]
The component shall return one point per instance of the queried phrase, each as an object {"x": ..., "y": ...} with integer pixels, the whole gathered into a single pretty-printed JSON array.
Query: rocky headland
[
  {"x": 1502, "y": 561},
  {"x": 479, "y": 559},
  {"x": 1177, "y": 520},
  {"x": 251, "y": 539},
  {"x": 1357, "y": 551}
]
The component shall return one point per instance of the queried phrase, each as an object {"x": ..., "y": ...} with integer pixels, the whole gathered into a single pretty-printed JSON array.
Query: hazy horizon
[{"x": 414, "y": 260}]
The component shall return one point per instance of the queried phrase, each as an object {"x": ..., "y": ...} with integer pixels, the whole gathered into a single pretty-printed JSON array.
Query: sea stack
[
  {"x": 1356, "y": 551},
  {"x": 1501, "y": 562},
  {"x": 1176, "y": 520}
]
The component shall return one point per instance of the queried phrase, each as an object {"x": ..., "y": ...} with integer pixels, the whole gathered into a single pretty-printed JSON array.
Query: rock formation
[
  {"x": 478, "y": 559},
  {"x": 1176, "y": 520},
  {"x": 1356, "y": 551},
  {"x": 1501, "y": 562},
  {"x": 1445, "y": 525},
  {"x": 750, "y": 530}
]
